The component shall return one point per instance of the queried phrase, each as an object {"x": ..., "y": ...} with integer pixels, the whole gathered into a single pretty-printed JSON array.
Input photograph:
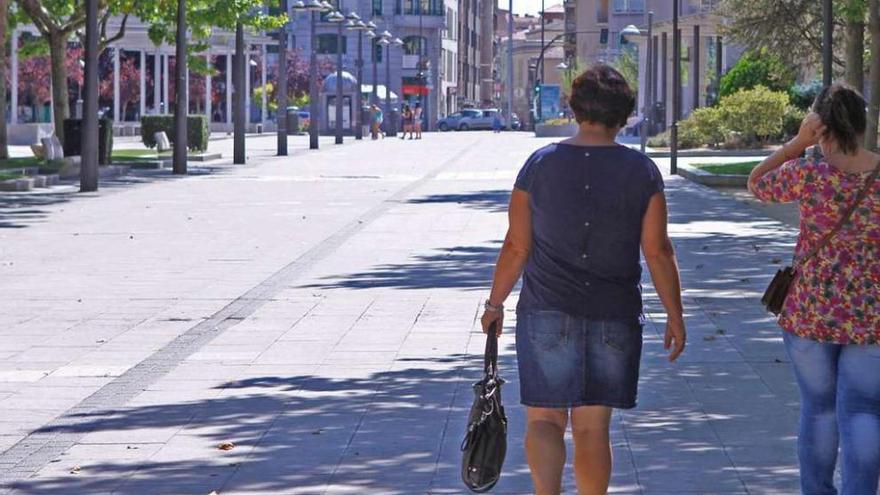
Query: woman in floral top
[{"x": 831, "y": 316}]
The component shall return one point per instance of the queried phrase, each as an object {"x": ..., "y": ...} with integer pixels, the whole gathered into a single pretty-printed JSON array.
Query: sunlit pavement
[{"x": 315, "y": 316}]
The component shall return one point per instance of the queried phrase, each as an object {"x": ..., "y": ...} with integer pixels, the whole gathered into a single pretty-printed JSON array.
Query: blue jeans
[{"x": 840, "y": 404}]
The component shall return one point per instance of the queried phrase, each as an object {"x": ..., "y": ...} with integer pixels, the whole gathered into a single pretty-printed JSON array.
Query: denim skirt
[{"x": 565, "y": 361}]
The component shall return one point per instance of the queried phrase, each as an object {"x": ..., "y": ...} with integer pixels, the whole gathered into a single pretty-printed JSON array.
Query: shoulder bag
[
  {"x": 777, "y": 291},
  {"x": 485, "y": 442}
]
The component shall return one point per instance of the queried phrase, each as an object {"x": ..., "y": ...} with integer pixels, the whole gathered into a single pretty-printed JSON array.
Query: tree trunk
[
  {"x": 855, "y": 54},
  {"x": 60, "y": 105},
  {"x": 4, "y": 24},
  {"x": 874, "y": 76}
]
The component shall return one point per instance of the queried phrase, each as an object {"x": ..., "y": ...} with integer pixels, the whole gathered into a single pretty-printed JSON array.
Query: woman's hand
[
  {"x": 675, "y": 338},
  {"x": 490, "y": 317},
  {"x": 811, "y": 131}
]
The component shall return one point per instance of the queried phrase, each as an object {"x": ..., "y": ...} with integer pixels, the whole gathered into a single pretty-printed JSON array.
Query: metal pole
[
  {"x": 719, "y": 46},
  {"x": 339, "y": 82},
  {"x": 541, "y": 78},
  {"x": 88, "y": 179},
  {"x": 180, "y": 142},
  {"x": 313, "y": 89},
  {"x": 389, "y": 127},
  {"x": 827, "y": 37},
  {"x": 676, "y": 90},
  {"x": 374, "y": 99},
  {"x": 238, "y": 122},
  {"x": 281, "y": 87},
  {"x": 695, "y": 68},
  {"x": 358, "y": 103},
  {"x": 510, "y": 65},
  {"x": 646, "y": 118}
]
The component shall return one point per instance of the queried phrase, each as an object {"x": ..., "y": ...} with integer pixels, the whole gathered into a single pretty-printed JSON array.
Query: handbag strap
[
  {"x": 847, "y": 214},
  {"x": 490, "y": 356}
]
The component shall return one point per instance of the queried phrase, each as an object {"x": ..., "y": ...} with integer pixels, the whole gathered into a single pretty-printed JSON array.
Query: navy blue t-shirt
[{"x": 587, "y": 207}]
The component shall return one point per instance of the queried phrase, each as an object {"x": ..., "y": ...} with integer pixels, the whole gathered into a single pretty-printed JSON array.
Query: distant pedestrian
[
  {"x": 579, "y": 212},
  {"x": 831, "y": 314},
  {"x": 496, "y": 122},
  {"x": 376, "y": 128},
  {"x": 417, "y": 120},
  {"x": 407, "y": 117}
]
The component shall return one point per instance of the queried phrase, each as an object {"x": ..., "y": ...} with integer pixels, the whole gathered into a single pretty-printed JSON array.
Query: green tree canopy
[{"x": 757, "y": 68}]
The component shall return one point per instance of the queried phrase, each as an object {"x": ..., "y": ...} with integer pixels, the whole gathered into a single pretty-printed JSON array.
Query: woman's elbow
[
  {"x": 659, "y": 251},
  {"x": 516, "y": 249}
]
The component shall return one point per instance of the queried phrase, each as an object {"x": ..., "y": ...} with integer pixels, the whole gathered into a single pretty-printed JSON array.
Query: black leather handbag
[
  {"x": 485, "y": 443},
  {"x": 774, "y": 297}
]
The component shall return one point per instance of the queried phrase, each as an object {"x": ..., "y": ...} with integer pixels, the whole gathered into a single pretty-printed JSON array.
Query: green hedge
[{"x": 197, "y": 130}]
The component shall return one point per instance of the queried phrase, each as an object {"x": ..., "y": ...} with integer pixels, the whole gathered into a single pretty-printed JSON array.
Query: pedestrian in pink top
[{"x": 831, "y": 316}]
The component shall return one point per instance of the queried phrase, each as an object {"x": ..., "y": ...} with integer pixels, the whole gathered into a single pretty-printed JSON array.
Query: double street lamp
[
  {"x": 313, "y": 7},
  {"x": 632, "y": 31},
  {"x": 356, "y": 24}
]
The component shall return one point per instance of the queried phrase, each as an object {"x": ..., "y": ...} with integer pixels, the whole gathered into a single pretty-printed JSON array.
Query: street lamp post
[
  {"x": 676, "y": 90},
  {"x": 312, "y": 7},
  {"x": 238, "y": 106},
  {"x": 281, "y": 93},
  {"x": 356, "y": 24},
  {"x": 631, "y": 31},
  {"x": 88, "y": 179},
  {"x": 374, "y": 38},
  {"x": 180, "y": 144},
  {"x": 539, "y": 65},
  {"x": 337, "y": 18}
]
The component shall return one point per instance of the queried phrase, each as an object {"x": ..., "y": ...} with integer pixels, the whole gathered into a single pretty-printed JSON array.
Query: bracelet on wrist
[{"x": 493, "y": 308}]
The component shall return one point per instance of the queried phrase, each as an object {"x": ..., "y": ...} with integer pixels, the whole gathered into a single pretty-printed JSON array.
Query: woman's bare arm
[
  {"x": 808, "y": 134},
  {"x": 660, "y": 256},
  {"x": 513, "y": 256}
]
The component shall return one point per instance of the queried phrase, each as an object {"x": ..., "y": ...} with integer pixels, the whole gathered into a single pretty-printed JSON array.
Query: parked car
[{"x": 468, "y": 119}]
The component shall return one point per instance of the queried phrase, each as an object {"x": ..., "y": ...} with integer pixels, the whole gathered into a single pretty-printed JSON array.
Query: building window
[
  {"x": 602, "y": 12},
  {"x": 327, "y": 44},
  {"x": 629, "y": 6},
  {"x": 415, "y": 45},
  {"x": 377, "y": 7}
]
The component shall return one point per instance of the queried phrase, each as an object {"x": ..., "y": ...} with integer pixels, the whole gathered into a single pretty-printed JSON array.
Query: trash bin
[
  {"x": 292, "y": 121},
  {"x": 393, "y": 123}
]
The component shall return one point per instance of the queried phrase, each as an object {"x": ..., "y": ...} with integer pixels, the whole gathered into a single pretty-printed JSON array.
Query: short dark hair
[
  {"x": 601, "y": 94},
  {"x": 842, "y": 110}
]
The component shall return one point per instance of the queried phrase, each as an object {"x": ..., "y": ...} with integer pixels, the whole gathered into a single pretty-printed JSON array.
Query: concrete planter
[
  {"x": 709, "y": 179},
  {"x": 14, "y": 185},
  {"x": 554, "y": 130}
]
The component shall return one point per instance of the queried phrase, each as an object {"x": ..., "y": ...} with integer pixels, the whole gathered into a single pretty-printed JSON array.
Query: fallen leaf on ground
[
  {"x": 226, "y": 446},
  {"x": 75, "y": 470},
  {"x": 709, "y": 337}
]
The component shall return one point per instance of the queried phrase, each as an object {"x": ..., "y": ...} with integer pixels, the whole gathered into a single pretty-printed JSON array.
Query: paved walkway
[{"x": 318, "y": 312}]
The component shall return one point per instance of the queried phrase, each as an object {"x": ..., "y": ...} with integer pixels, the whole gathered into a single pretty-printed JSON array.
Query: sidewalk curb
[{"x": 699, "y": 176}]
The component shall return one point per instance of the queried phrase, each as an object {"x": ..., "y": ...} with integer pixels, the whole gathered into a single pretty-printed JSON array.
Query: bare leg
[
  {"x": 545, "y": 448},
  {"x": 592, "y": 449}
]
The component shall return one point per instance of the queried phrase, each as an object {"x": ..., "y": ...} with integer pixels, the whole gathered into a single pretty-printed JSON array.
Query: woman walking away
[
  {"x": 831, "y": 316},
  {"x": 406, "y": 116},
  {"x": 579, "y": 211},
  {"x": 378, "y": 117},
  {"x": 417, "y": 120}
]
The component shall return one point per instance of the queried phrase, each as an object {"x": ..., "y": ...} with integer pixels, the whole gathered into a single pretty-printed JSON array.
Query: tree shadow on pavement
[
  {"x": 492, "y": 200},
  {"x": 462, "y": 267},
  {"x": 387, "y": 432},
  {"x": 23, "y": 209}
]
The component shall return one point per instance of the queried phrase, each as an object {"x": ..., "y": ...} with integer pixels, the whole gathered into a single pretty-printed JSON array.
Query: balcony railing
[{"x": 408, "y": 7}]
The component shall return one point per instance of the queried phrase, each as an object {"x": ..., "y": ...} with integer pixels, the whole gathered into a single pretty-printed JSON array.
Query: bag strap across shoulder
[{"x": 847, "y": 214}]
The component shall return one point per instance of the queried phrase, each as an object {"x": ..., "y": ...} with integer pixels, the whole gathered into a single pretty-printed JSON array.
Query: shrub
[
  {"x": 197, "y": 130},
  {"x": 686, "y": 138},
  {"x": 757, "y": 69},
  {"x": 559, "y": 121},
  {"x": 708, "y": 125},
  {"x": 755, "y": 113},
  {"x": 802, "y": 95},
  {"x": 73, "y": 139}
]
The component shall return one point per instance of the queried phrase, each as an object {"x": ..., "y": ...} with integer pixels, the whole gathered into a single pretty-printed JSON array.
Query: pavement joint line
[{"x": 33, "y": 452}]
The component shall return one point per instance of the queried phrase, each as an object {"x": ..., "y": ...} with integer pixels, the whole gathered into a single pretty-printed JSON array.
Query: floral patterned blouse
[{"x": 836, "y": 298}]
